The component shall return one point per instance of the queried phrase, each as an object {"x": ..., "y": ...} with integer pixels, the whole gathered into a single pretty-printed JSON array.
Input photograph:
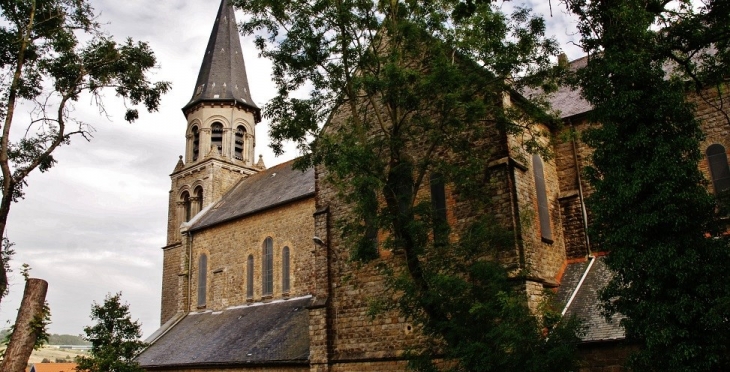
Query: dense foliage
[
  {"x": 52, "y": 52},
  {"x": 114, "y": 338},
  {"x": 413, "y": 92},
  {"x": 651, "y": 208}
]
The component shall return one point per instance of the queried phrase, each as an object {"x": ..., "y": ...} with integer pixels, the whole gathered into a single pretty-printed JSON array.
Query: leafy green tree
[
  {"x": 44, "y": 63},
  {"x": 651, "y": 208},
  {"x": 114, "y": 338},
  {"x": 416, "y": 91}
]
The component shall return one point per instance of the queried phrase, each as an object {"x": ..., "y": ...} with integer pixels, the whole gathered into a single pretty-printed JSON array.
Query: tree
[
  {"x": 29, "y": 330},
  {"x": 414, "y": 96},
  {"x": 114, "y": 338},
  {"x": 44, "y": 63},
  {"x": 651, "y": 208}
]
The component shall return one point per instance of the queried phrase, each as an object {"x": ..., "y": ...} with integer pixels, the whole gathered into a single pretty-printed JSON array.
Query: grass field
[{"x": 52, "y": 354}]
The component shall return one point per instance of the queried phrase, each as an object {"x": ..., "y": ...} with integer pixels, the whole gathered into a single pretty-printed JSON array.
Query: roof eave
[
  {"x": 195, "y": 102},
  {"x": 255, "y": 211},
  {"x": 205, "y": 365}
]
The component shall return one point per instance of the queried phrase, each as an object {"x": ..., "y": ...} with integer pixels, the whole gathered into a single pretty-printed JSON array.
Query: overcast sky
[{"x": 95, "y": 223}]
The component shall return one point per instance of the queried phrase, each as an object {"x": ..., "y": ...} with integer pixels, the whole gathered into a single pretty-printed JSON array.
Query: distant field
[{"x": 52, "y": 353}]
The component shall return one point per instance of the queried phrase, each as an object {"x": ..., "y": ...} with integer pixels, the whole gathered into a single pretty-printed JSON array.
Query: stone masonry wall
[
  {"x": 174, "y": 281},
  {"x": 228, "y": 246},
  {"x": 572, "y": 182},
  {"x": 713, "y": 111},
  {"x": 543, "y": 259},
  {"x": 215, "y": 177},
  {"x": 346, "y": 332}
]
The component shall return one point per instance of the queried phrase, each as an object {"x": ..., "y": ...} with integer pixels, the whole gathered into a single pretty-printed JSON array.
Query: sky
[{"x": 95, "y": 223}]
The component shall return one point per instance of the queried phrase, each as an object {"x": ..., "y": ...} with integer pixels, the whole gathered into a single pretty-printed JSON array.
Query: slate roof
[
  {"x": 222, "y": 74},
  {"x": 566, "y": 101},
  {"x": 585, "y": 305},
  {"x": 260, "y": 334},
  {"x": 268, "y": 188}
]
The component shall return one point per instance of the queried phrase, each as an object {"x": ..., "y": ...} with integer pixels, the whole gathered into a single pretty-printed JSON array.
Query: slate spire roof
[{"x": 222, "y": 74}]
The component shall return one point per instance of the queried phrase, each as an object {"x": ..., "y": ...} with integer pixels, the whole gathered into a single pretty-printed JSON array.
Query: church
[{"x": 256, "y": 278}]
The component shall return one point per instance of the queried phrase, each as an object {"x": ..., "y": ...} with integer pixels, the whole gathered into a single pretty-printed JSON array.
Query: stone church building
[{"x": 256, "y": 279}]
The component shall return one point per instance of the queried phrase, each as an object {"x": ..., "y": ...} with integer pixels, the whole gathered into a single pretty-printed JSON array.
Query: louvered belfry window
[
  {"x": 196, "y": 143},
  {"x": 216, "y": 137},
  {"x": 542, "y": 201},
  {"x": 202, "y": 277},
  {"x": 240, "y": 138},
  {"x": 719, "y": 171},
  {"x": 285, "y": 282},
  {"x": 267, "y": 268}
]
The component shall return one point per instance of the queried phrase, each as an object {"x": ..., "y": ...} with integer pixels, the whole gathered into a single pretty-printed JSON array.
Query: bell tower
[
  {"x": 221, "y": 114},
  {"x": 219, "y": 151}
]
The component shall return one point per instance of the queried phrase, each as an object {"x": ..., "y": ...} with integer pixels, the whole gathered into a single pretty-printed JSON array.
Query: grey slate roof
[
  {"x": 585, "y": 305},
  {"x": 266, "y": 189},
  {"x": 222, "y": 74},
  {"x": 567, "y": 100},
  {"x": 571, "y": 277},
  {"x": 273, "y": 333}
]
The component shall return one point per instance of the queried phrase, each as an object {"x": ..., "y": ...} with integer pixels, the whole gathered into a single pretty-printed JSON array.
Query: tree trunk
[{"x": 26, "y": 326}]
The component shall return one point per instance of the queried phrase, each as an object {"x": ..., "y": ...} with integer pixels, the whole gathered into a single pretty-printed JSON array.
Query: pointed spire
[
  {"x": 260, "y": 163},
  {"x": 222, "y": 74}
]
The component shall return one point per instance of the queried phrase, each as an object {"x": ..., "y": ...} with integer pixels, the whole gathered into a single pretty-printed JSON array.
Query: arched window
[
  {"x": 285, "y": 283},
  {"x": 249, "y": 277},
  {"x": 196, "y": 143},
  {"x": 240, "y": 137},
  {"x": 199, "y": 197},
  {"x": 267, "y": 268},
  {"x": 216, "y": 137},
  {"x": 542, "y": 200},
  {"x": 719, "y": 171},
  {"x": 187, "y": 208},
  {"x": 202, "y": 277}
]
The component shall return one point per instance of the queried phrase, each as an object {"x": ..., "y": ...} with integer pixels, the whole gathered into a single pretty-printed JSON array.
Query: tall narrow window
[
  {"x": 249, "y": 277},
  {"x": 240, "y": 137},
  {"x": 285, "y": 284},
  {"x": 216, "y": 137},
  {"x": 719, "y": 171},
  {"x": 542, "y": 201},
  {"x": 202, "y": 277},
  {"x": 187, "y": 206},
  {"x": 196, "y": 143},
  {"x": 199, "y": 197},
  {"x": 438, "y": 203},
  {"x": 267, "y": 268}
]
